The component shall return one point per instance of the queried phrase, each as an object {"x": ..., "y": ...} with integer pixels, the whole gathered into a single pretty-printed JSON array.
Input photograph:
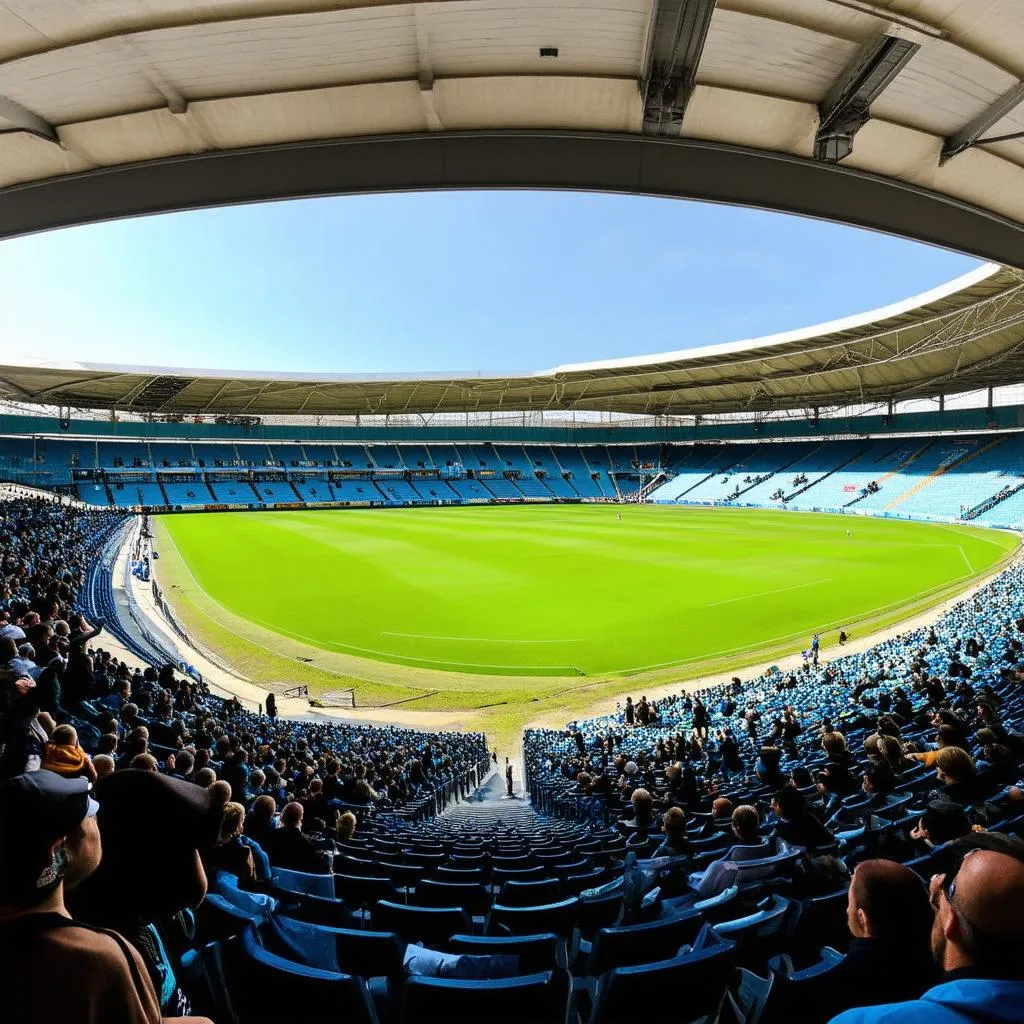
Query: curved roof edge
[
  {"x": 679, "y": 168},
  {"x": 980, "y": 274},
  {"x": 965, "y": 334},
  {"x": 765, "y": 341}
]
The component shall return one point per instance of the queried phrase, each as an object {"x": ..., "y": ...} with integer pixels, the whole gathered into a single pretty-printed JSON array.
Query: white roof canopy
[{"x": 902, "y": 115}]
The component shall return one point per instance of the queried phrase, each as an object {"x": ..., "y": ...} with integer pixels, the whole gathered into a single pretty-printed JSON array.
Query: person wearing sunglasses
[{"x": 977, "y": 940}]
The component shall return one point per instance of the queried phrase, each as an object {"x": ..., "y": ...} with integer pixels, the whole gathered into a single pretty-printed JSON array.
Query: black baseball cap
[
  {"x": 43, "y": 806},
  {"x": 37, "y": 809}
]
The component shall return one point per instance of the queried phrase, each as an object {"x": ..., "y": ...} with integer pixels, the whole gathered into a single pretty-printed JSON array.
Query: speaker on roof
[{"x": 64, "y": 423}]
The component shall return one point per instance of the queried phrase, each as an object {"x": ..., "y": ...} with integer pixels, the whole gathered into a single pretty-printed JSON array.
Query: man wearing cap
[{"x": 49, "y": 843}]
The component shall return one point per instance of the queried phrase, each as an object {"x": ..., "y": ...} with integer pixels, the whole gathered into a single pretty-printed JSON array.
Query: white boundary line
[
  {"x": 966, "y": 559},
  {"x": 765, "y": 593},
  {"x": 478, "y": 639}
]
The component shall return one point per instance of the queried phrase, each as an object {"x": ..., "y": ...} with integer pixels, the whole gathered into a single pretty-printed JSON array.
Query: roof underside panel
[{"x": 119, "y": 84}]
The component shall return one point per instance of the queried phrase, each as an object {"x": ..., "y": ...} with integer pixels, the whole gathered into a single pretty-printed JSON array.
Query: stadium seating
[
  {"x": 233, "y": 492},
  {"x": 397, "y": 491},
  {"x": 187, "y": 493},
  {"x": 210, "y": 455},
  {"x": 357, "y": 492},
  {"x": 969, "y": 477},
  {"x": 270, "y": 491},
  {"x": 416, "y": 456}
]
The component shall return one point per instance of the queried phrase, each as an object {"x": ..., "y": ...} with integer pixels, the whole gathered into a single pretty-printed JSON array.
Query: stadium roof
[
  {"x": 904, "y": 115},
  {"x": 965, "y": 335}
]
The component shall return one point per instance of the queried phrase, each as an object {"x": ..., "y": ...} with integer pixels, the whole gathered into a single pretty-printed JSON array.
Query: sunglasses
[{"x": 948, "y": 884}]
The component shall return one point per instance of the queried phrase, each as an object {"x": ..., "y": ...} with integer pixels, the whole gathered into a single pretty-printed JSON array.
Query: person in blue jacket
[{"x": 977, "y": 940}]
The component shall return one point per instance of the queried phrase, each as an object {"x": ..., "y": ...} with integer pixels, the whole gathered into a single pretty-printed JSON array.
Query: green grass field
[{"x": 549, "y": 592}]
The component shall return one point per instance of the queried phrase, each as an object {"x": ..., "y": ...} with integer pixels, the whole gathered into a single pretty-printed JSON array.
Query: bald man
[
  {"x": 889, "y": 917},
  {"x": 977, "y": 940}
]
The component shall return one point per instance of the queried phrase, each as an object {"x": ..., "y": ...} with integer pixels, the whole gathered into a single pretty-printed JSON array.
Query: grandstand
[{"x": 961, "y": 477}]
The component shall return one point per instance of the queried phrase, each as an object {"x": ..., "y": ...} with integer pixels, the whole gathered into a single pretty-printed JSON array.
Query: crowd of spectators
[
  {"x": 169, "y": 765},
  {"x": 825, "y": 776}
]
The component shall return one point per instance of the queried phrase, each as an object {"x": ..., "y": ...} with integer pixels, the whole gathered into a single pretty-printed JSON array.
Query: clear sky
[{"x": 471, "y": 280}]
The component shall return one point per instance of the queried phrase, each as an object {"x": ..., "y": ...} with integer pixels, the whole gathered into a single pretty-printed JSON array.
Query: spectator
[
  {"x": 977, "y": 940},
  {"x": 644, "y": 816},
  {"x": 675, "y": 843},
  {"x": 171, "y": 822},
  {"x": 797, "y": 825},
  {"x": 56, "y": 847},
  {"x": 889, "y": 959},
  {"x": 941, "y": 823},
  {"x": 230, "y": 853},
  {"x": 290, "y": 848},
  {"x": 260, "y": 824},
  {"x": 721, "y": 811},
  {"x": 346, "y": 826},
  {"x": 62, "y": 755},
  {"x": 22, "y": 732},
  {"x": 746, "y": 827},
  {"x": 954, "y": 768}
]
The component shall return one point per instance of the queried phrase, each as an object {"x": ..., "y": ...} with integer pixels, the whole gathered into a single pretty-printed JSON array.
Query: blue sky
[{"x": 472, "y": 280}]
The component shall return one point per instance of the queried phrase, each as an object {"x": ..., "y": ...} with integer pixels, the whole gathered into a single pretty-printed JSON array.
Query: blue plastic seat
[
  {"x": 559, "y": 918},
  {"x": 444, "y": 874},
  {"x": 317, "y": 910},
  {"x": 759, "y": 935},
  {"x": 821, "y": 921},
  {"x": 598, "y": 912},
  {"x": 473, "y": 898},
  {"x": 430, "y": 925},
  {"x": 627, "y": 945},
  {"x": 513, "y": 862},
  {"x": 268, "y": 989},
  {"x": 536, "y": 998},
  {"x": 718, "y": 908},
  {"x": 695, "y": 981},
  {"x": 573, "y": 885},
  {"x": 216, "y": 918},
  {"x": 537, "y": 953},
  {"x": 500, "y": 875},
  {"x": 362, "y": 892},
  {"x": 530, "y": 894},
  {"x": 302, "y": 882},
  {"x": 808, "y": 995}
]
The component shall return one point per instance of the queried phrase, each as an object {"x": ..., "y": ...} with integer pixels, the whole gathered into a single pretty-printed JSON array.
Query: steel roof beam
[
  {"x": 972, "y": 132},
  {"x": 24, "y": 120},
  {"x": 675, "y": 42},
  {"x": 847, "y": 106}
]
